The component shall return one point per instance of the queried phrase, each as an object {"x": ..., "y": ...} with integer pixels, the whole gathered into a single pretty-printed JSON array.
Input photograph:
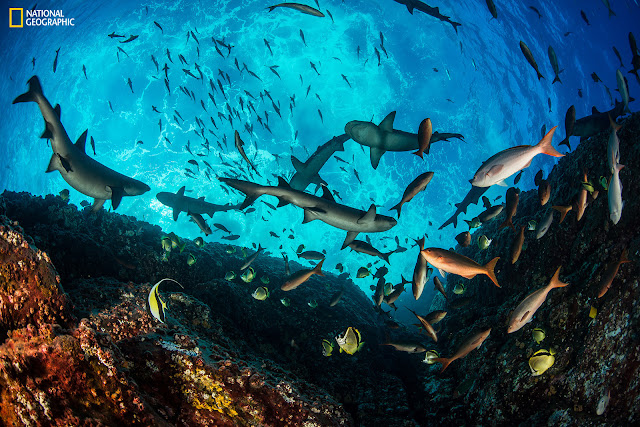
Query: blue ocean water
[{"x": 475, "y": 82}]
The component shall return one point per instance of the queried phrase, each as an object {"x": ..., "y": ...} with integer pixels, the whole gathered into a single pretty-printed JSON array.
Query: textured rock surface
[{"x": 593, "y": 355}]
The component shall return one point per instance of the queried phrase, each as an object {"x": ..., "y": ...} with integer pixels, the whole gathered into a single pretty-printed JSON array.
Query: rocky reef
[
  {"x": 596, "y": 339},
  {"x": 78, "y": 345}
]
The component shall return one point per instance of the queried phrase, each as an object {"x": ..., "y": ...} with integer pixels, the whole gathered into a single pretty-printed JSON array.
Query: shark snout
[{"x": 136, "y": 188}]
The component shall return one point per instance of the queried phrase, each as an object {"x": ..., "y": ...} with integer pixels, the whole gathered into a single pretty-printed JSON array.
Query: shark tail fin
[
  {"x": 456, "y": 25},
  {"x": 32, "y": 94},
  {"x": 545, "y": 144},
  {"x": 557, "y": 79},
  {"x": 540, "y": 76}
]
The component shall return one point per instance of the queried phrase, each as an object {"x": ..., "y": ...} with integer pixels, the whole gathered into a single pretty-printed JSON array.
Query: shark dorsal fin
[
  {"x": 297, "y": 164},
  {"x": 326, "y": 194},
  {"x": 180, "y": 192},
  {"x": 81, "y": 142},
  {"x": 594, "y": 110},
  {"x": 387, "y": 123},
  {"x": 369, "y": 216},
  {"x": 283, "y": 183},
  {"x": 57, "y": 110}
]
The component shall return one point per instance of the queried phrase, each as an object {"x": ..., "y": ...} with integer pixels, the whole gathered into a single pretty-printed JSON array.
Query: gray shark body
[
  {"x": 432, "y": 11},
  {"x": 80, "y": 171},
  {"x": 307, "y": 172},
  {"x": 383, "y": 137},
  {"x": 472, "y": 197},
  {"x": 324, "y": 208},
  {"x": 181, "y": 203},
  {"x": 597, "y": 122}
]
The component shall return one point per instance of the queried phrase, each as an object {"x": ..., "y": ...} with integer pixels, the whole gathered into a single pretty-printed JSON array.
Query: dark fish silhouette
[
  {"x": 527, "y": 54},
  {"x": 130, "y": 39},
  {"x": 159, "y": 26},
  {"x": 584, "y": 17},
  {"x": 300, "y": 8},
  {"x": 425, "y": 8},
  {"x": 55, "y": 61},
  {"x": 536, "y": 11}
]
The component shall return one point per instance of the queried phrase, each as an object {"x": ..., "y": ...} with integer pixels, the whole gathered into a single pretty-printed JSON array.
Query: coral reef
[{"x": 594, "y": 355}]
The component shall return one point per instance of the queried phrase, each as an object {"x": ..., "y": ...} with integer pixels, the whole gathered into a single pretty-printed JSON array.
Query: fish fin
[
  {"x": 201, "y": 198},
  {"x": 489, "y": 270},
  {"x": 545, "y": 144},
  {"x": 594, "y": 110},
  {"x": 57, "y": 110},
  {"x": 82, "y": 142},
  {"x": 176, "y": 212},
  {"x": 557, "y": 79},
  {"x": 309, "y": 214},
  {"x": 444, "y": 361},
  {"x": 281, "y": 202},
  {"x": 180, "y": 191},
  {"x": 469, "y": 276},
  {"x": 501, "y": 184},
  {"x": 387, "y": 123},
  {"x": 326, "y": 194},
  {"x": 410, "y": 9},
  {"x": 297, "y": 164},
  {"x": 48, "y": 131},
  {"x": 116, "y": 196},
  {"x": 616, "y": 127},
  {"x": 386, "y": 256},
  {"x": 318, "y": 268},
  {"x": 524, "y": 316},
  {"x": 54, "y": 163},
  {"x": 376, "y": 154},
  {"x": 555, "y": 280},
  {"x": 442, "y": 272},
  {"x": 283, "y": 183},
  {"x": 351, "y": 235},
  {"x": 97, "y": 205},
  {"x": 419, "y": 154},
  {"x": 507, "y": 223},
  {"x": 370, "y": 216},
  {"x": 32, "y": 94}
]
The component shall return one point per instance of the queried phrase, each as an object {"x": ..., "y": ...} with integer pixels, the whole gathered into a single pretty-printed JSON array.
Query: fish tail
[
  {"x": 625, "y": 256},
  {"x": 557, "y": 79},
  {"x": 271, "y": 8},
  {"x": 555, "y": 280},
  {"x": 540, "y": 76},
  {"x": 318, "y": 268},
  {"x": 35, "y": 90},
  {"x": 507, "y": 223},
  {"x": 419, "y": 154},
  {"x": 563, "y": 212},
  {"x": 444, "y": 362},
  {"x": 489, "y": 270},
  {"x": 386, "y": 256},
  {"x": 566, "y": 142},
  {"x": 616, "y": 127},
  {"x": 545, "y": 144},
  {"x": 398, "y": 208}
]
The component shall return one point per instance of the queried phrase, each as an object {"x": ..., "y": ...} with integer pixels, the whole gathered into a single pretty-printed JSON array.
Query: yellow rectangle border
[{"x": 11, "y": 9}]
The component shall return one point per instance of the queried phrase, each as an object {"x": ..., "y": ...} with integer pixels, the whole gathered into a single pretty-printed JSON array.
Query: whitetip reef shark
[
  {"x": 307, "y": 172},
  {"x": 383, "y": 137},
  {"x": 325, "y": 208},
  {"x": 81, "y": 172},
  {"x": 181, "y": 203}
]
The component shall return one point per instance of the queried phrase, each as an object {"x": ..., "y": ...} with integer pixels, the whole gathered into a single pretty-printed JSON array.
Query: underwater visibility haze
[{"x": 345, "y": 146}]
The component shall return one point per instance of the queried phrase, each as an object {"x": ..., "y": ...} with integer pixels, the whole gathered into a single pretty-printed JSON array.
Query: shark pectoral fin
[
  {"x": 54, "y": 163},
  {"x": 297, "y": 164},
  {"x": 116, "y": 196},
  {"x": 387, "y": 123},
  {"x": 97, "y": 205},
  {"x": 48, "y": 131},
  {"x": 351, "y": 236},
  {"x": 64, "y": 163},
  {"x": 176, "y": 212},
  {"x": 311, "y": 213},
  {"x": 326, "y": 194},
  {"x": 57, "y": 110},
  {"x": 376, "y": 154},
  {"x": 501, "y": 184},
  {"x": 82, "y": 141},
  {"x": 180, "y": 192},
  {"x": 370, "y": 216}
]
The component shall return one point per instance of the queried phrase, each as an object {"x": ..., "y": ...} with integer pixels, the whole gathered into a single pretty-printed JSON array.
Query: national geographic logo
[{"x": 38, "y": 18}]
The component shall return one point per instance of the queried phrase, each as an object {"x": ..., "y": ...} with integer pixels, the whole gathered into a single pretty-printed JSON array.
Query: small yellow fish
[
  {"x": 430, "y": 356},
  {"x": 64, "y": 195},
  {"x": 285, "y": 301},
  {"x": 484, "y": 242},
  {"x": 230, "y": 276},
  {"x": 244, "y": 252},
  {"x": 604, "y": 183},
  {"x": 230, "y": 249},
  {"x": 538, "y": 335},
  {"x": 261, "y": 293},
  {"x": 191, "y": 260},
  {"x": 327, "y": 348},
  {"x": 313, "y": 303},
  {"x": 199, "y": 242},
  {"x": 459, "y": 289},
  {"x": 587, "y": 185},
  {"x": 350, "y": 342},
  {"x": 248, "y": 275},
  {"x": 362, "y": 272},
  {"x": 155, "y": 304},
  {"x": 388, "y": 288},
  {"x": 593, "y": 312},
  {"x": 166, "y": 244},
  {"x": 541, "y": 361},
  {"x": 265, "y": 280},
  {"x": 474, "y": 223}
]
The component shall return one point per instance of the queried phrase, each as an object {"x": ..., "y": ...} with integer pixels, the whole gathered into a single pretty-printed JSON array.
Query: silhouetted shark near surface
[
  {"x": 472, "y": 197},
  {"x": 81, "y": 172},
  {"x": 597, "y": 122},
  {"x": 353, "y": 221},
  {"x": 383, "y": 137},
  {"x": 433, "y": 11},
  {"x": 307, "y": 172},
  {"x": 181, "y": 203}
]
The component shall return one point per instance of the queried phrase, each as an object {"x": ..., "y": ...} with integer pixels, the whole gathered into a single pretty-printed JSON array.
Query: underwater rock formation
[{"x": 595, "y": 355}]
